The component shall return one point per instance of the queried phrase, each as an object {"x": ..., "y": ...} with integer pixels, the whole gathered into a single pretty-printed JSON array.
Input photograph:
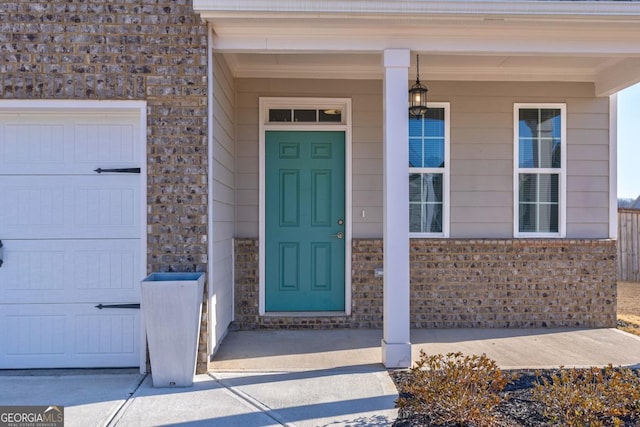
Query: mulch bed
[
  {"x": 518, "y": 410},
  {"x": 631, "y": 327}
]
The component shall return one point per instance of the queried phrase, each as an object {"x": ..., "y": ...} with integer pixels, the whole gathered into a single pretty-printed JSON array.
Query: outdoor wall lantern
[{"x": 417, "y": 95}]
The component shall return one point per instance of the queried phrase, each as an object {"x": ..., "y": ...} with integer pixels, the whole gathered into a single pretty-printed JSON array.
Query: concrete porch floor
[{"x": 300, "y": 350}]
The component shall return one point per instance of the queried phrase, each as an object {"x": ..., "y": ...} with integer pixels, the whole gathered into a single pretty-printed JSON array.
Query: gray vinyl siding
[
  {"x": 588, "y": 168},
  {"x": 223, "y": 197},
  {"x": 481, "y": 164}
]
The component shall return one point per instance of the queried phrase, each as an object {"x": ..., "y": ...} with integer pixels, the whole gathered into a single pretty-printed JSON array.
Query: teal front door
[{"x": 304, "y": 221}]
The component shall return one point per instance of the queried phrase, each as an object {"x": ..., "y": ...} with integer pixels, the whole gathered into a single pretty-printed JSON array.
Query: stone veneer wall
[
  {"x": 152, "y": 50},
  {"x": 459, "y": 283}
]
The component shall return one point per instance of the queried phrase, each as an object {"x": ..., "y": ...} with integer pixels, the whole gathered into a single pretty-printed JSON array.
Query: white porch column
[{"x": 396, "y": 345}]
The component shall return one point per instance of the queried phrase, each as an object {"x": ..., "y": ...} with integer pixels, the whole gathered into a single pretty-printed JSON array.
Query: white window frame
[
  {"x": 446, "y": 198},
  {"x": 561, "y": 172}
]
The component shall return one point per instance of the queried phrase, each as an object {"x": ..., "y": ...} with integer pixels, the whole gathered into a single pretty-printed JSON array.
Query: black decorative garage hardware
[
  {"x": 122, "y": 170},
  {"x": 1, "y": 254},
  {"x": 101, "y": 306}
]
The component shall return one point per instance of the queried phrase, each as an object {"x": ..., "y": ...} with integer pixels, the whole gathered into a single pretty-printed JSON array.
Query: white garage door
[{"x": 71, "y": 237}]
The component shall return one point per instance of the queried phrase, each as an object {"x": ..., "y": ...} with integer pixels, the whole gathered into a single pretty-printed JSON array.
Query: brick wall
[
  {"x": 513, "y": 283},
  {"x": 366, "y": 297},
  {"x": 466, "y": 283},
  {"x": 153, "y": 50}
]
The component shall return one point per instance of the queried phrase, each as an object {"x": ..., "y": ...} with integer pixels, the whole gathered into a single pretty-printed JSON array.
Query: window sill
[{"x": 539, "y": 236}]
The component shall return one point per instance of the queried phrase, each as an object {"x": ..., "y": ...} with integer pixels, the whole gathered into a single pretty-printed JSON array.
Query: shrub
[
  {"x": 590, "y": 397},
  {"x": 454, "y": 389}
]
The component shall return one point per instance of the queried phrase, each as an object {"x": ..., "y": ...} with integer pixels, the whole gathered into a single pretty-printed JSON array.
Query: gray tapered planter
[{"x": 171, "y": 305}]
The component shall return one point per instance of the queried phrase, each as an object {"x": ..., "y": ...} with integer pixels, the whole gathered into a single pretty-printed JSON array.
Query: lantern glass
[
  {"x": 417, "y": 100},
  {"x": 417, "y": 95}
]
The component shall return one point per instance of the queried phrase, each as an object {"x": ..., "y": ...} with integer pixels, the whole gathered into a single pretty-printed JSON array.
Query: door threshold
[{"x": 305, "y": 314}]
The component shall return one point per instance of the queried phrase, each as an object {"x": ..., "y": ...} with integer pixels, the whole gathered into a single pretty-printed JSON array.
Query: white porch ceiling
[
  {"x": 432, "y": 66},
  {"x": 491, "y": 40}
]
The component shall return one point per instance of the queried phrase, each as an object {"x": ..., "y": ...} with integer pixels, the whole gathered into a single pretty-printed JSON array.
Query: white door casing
[
  {"x": 343, "y": 104},
  {"x": 73, "y": 238}
]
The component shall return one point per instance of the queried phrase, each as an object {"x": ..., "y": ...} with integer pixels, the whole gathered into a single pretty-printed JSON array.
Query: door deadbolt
[{"x": 341, "y": 221}]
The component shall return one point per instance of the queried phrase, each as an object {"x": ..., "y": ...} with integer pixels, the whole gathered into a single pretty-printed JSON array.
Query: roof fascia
[{"x": 372, "y": 8}]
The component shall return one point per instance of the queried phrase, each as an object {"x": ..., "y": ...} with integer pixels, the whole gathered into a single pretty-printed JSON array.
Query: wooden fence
[{"x": 628, "y": 245}]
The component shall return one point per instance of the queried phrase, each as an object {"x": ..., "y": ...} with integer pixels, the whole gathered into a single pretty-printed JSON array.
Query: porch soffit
[{"x": 595, "y": 42}]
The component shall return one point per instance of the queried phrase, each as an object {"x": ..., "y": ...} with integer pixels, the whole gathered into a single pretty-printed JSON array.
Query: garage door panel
[
  {"x": 44, "y": 145},
  {"x": 35, "y": 144},
  {"x": 61, "y": 271},
  {"x": 35, "y": 334},
  {"x": 69, "y": 207},
  {"x": 106, "y": 333},
  {"x": 72, "y": 237},
  {"x": 68, "y": 335}
]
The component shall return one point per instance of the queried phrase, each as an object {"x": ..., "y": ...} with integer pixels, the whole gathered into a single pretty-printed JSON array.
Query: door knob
[{"x": 340, "y": 235}]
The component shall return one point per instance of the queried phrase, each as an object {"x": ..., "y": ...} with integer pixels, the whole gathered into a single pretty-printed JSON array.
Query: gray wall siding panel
[
  {"x": 471, "y": 230},
  {"x": 472, "y": 183},
  {"x": 587, "y": 216},
  {"x": 588, "y": 183},
  {"x": 598, "y": 152},
  {"x": 472, "y": 199},
  {"x": 590, "y": 199},
  {"x": 481, "y": 163},
  {"x": 481, "y": 167},
  {"x": 588, "y": 230},
  {"x": 472, "y": 136},
  {"x": 587, "y": 168},
  {"x": 223, "y": 198},
  {"x": 481, "y": 151},
  {"x": 480, "y": 215},
  {"x": 587, "y": 137}
]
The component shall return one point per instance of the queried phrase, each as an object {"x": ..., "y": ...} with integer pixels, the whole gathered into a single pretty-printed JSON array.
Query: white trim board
[
  {"x": 613, "y": 166},
  {"x": 211, "y": 318}
]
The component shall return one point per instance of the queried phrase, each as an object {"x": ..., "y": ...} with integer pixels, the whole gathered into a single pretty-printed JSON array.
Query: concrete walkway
[
  {"x": 337, "y": 397},
  {"x": 297, "y": 378}
]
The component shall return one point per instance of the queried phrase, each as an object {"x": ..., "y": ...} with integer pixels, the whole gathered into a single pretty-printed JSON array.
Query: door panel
[
  {"x": 305, "y": 201},
  {"x": 321, "y": 209},
  {"x": 289, "y": 276},
  {"x": 321, "y": 266},
  {"x": 289, "y": 198}
]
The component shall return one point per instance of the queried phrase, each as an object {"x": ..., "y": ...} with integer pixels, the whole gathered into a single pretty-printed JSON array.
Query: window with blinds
[
  {"x": 429, "y": 173},
  {"x": 540, "y": 146}
]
